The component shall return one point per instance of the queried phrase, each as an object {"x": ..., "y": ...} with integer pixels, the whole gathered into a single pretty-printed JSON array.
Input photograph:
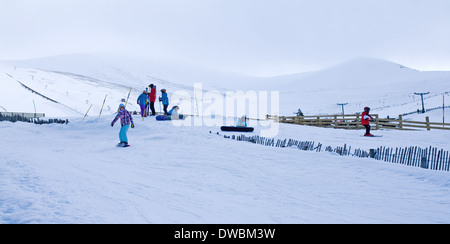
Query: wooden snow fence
[
  {"x": 427, "y": 158},
  {"x": 353, "y": 121},
  {"x": 23, "y": 115}
]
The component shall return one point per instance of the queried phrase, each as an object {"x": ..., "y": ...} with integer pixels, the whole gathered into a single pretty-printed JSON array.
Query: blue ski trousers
[{"x": 123, "y": 133}]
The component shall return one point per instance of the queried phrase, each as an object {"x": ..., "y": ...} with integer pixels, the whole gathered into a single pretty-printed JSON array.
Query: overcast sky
[{"x": 257, "y": 37}]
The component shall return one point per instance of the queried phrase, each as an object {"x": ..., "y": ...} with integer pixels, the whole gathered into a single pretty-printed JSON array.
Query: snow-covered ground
[
  {"x": 185, "y": 174},
  {"x": 189, "y": 174}
]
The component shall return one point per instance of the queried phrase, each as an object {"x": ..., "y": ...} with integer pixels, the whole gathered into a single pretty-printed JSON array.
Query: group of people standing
[{"x": 147, "y": 101}]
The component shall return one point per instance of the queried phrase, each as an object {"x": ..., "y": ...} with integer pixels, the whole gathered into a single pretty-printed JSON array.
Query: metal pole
[
  {"x": 102, "y": 106},
  {"x": 34, "y": 104},
  {"x": 87, "y": 112},
  {"x": 128, "y": 97},
  {"x": 421, "y": 95},
  {"x": 342, "y": 104}
]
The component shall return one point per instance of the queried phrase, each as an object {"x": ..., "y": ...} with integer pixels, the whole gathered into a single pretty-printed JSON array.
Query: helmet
[
  {"x": 163, "y": 90},
  {"x": 366, "y": 109},
  {"x": 121, "y": 106}
]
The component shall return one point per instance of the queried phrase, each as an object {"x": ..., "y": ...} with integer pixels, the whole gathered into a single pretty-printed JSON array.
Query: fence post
[
  {"x": 357, "y": 121},
  {"x": 335, "y": 121},
  {"x": 400, "y": 120},
  {"x": 427, "y": 119},
  {"x": 377, "y": 122}
]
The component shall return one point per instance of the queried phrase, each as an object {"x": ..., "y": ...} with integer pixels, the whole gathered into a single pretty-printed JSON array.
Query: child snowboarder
[
  {"x": 365, "y": 120},
  {"x": 142, "y": 101},
  {"x": 125, "y": 120},
  {"x": 165, "y": 100}
]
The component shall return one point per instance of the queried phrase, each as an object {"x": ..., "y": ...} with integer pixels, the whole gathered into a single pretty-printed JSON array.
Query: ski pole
[{"x": 102, "y": 106}]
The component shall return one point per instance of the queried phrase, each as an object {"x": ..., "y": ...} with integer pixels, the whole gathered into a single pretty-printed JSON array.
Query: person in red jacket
[
  {"x": 365, "y": 120},
  {"x": 152, "y": 98}
]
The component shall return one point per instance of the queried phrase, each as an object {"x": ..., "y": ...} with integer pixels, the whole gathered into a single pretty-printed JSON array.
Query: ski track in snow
[{"x": 75, "y": 174}]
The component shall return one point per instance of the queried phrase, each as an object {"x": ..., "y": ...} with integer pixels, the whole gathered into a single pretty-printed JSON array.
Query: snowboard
[
  {"x": 121, "y": 145},
  {"x": 163, "y": 117},
  {"x": 167, "y": 117},
  {"x": 373, "y": 136},
  {"x": 237, "y": 128}
]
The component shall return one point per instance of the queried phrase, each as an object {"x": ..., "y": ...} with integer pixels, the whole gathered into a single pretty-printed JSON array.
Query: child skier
[
  {"x": 365, "y": 119},
  {"x": 125, "y": 120}
]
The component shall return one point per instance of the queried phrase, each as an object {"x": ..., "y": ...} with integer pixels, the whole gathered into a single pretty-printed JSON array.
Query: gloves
[
  {"x": 112, "y": 124},
  {"x": 132, "y": 125}
]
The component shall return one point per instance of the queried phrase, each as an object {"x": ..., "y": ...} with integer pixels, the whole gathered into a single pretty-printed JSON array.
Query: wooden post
[
  {"x": 335, "y": 121},
  {"x": 427, "y": 119},
  {"x": 400, "y": 120},
  {"x": 377, "y": 122},
  {"x": 357, "y": 121}
]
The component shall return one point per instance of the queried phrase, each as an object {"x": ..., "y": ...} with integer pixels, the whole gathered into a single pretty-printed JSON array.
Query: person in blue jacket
[
  {"x": 242, "y": 122},
  {"x": 165, "y": 100},
  {"x": 142, "y": 101}
]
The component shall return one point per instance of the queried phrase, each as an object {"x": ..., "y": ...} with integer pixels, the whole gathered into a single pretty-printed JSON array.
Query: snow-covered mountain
[
  {"x": 388, "y": 88},
  {"x": 76, "y": 81}
]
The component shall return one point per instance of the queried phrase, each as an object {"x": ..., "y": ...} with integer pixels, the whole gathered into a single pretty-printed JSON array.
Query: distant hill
[{"x": 74, "y": 82}]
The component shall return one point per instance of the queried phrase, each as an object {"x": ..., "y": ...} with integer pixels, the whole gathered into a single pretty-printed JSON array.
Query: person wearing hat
[
  {"x": 165, "y": 100},
  {"x": 125, "y": 120},
  {"x": 152, "y": 98},
  {"x": 142, "y": 101},
  {"x": 174, "y": 113},
  {"x": 365, "y": 120}
]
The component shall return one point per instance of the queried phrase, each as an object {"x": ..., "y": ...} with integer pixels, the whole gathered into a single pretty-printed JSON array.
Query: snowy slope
[
  {"x": 388, "y": 88},
  {"x": 77, "y": 81},
  {"x": 74, "y": 174}
]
